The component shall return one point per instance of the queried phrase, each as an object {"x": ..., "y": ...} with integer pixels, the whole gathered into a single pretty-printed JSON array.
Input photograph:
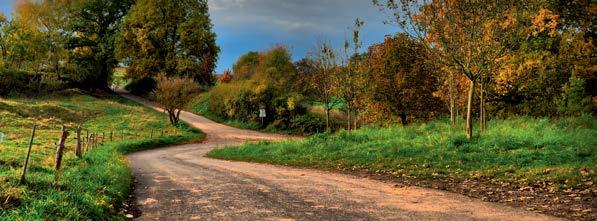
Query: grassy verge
[
  {"x": 91, "y": 188},
  {"x": 515, "y": 150}
]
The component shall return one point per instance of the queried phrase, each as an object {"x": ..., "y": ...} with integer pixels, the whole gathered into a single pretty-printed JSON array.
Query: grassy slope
[
  {"x": 90, "y": 188},
  {"x": 518, "y": 149}
]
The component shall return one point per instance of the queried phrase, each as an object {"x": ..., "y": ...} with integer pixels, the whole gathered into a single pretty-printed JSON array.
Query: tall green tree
[
  {"x": 171, "y": 37},
  {"x": 94, "y": 24}
]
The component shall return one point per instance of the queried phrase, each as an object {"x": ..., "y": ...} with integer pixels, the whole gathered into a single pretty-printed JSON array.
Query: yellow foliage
[{"x": 545, "y": 21}]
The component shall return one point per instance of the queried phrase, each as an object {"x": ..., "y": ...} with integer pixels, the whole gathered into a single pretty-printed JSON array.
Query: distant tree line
[
  {"x": 471, "y": 59},
  {"x": 52, "y": 45}
]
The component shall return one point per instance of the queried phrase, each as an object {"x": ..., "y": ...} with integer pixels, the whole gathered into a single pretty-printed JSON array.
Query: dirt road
[{"x": 179, "y": 183}]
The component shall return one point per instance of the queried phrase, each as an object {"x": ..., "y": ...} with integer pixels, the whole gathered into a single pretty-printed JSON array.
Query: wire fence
[{"x": 83, "y": 140}]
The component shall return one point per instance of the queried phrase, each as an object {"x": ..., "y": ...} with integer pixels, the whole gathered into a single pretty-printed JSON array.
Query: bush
[
  {"x": 141, "y": 87},
  {"x": 308, "y": 123},
  {"x": 22, "y": 82},
  {"x": 575, "y": 100},
  {"x": 13, "y": 81}
]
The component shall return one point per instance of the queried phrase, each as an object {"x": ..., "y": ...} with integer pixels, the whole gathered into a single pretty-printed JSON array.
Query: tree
[
  {"x": 246, "y": 65},
  {"x": 552, "y": 60},
  {"x": 173, "y": 37},
  {"x": 469, "y": 35},
  {"x": 324, "y": 82},
  {"x": 95, "y": 24},
  {"x": 349, "y": 86},
  {"x": 226, "y": 77},
  {"x": 3, "y": 36},
  {"x": 402, "y": 79},
  {"x": 174, "y": 93}
]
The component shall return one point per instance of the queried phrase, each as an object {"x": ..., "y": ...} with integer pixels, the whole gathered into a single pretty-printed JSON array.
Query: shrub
[
  {"x": 22, "y": 82},
  {"x": 141, "y": 87},
  {"x": 11, "y": 81},
  {"x": 173, "y": 94}
]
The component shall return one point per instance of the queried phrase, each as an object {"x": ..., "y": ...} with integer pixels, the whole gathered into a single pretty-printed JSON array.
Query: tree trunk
[
  {"x": 327, "y": 119},
  {"x": 403, "y": 118},
  {"x": 451, "y": 97},
  {"x": 177, "y": 117},
  {"x": 481, "y": 107},
  {"x": 354, "y": 120},
  {"x": 469, "y": 111},
  {"x": 349, "y": 117}
]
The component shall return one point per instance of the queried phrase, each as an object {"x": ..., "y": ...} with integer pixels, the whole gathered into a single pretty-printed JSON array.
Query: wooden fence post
[
  {"x": 78, "y": 150},
  {"x": 103, "y": 137},
  {"x": 88, "y": 142},
  {"x": 93, "y": 140},
  {"x": 111, "y": 136},
  {"x": 23, "y": 180},
  {"x": 60, "y": 152}
]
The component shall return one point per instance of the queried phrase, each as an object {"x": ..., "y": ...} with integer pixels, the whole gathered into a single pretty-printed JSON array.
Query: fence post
[
  {"x": 78, "y": 150},
  {"x": 88, "y": 142},
  {"x": 60, "y": 151},
  {"x": 151, "y": 134},
  {"x": 23, "y": 180},
  {"x": 95, "y": 140},
  {"x": 103, "y": 137},
  {"x": 111, "y": 136}
]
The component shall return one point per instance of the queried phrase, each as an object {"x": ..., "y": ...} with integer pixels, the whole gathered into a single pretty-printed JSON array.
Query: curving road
[{"x": 179, "y": 183}]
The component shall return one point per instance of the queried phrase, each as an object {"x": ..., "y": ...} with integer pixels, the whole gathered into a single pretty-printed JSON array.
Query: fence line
[{"x": 90, "y": 141}]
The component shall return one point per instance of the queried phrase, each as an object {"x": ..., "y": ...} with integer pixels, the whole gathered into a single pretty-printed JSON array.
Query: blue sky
[{"x": 257, "y": 25}]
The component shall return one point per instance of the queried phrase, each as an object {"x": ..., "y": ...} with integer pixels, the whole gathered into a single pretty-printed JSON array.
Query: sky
[{"x": 257, "y": 25}]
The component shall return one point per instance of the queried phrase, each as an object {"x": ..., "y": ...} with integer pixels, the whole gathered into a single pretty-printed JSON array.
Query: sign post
[{"x": 262, "y": 114}]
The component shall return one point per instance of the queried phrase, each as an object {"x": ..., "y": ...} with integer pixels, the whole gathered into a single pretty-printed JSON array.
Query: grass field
[
  {"x": 91, "y": 188},
  {"x": 119, "y": 78},
  {"x": 519, "y": 149}
]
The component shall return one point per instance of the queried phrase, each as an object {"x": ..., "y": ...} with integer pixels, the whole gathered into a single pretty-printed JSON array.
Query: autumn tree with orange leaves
[
  {"x": 403, "y": 82},
  {"x": 470, "y": 36},
  {"x": 226, "y": 77}
]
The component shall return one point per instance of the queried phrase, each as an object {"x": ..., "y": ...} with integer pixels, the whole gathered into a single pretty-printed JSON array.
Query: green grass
[
  {"x": 520, "y": 149},
  {"x": 91, "y": 188},
  {"x": 119, "y": 79}
]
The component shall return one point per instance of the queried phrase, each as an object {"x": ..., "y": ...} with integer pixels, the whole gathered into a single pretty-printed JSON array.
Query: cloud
[
  {"x": 291, "y": 15},
  {"x": 256, "y": 25},
  {"x": 226, "y": 4}
]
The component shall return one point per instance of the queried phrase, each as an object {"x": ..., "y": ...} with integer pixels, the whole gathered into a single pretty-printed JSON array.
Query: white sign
[
  {"x": 261, "y": 112},
  {"x": 1, "y": 137}
]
